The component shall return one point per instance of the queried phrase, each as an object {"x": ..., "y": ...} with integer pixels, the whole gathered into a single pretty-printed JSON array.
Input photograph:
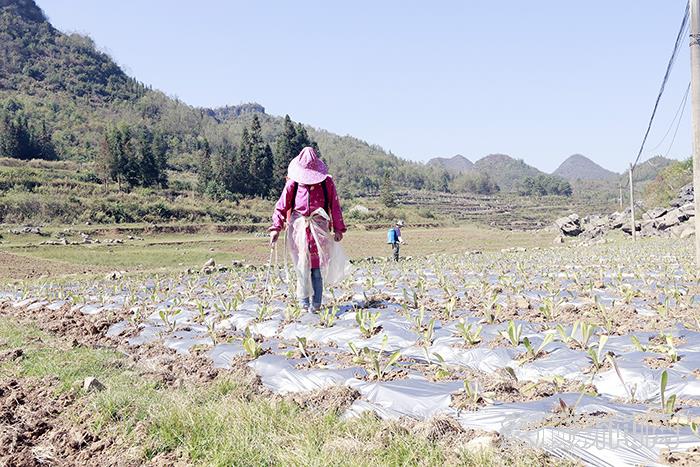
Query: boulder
[
  {"x": 92, "y": 384},
  {"x": 628, "y": 230},
  {"x": 569, "y": 225},
  {"x": 209, "y": 266},
  {"x": 685, "y": 196},
  {"x": 654, "y": 213},
  {"x": 688, "y": 209},
  {"x": 671, "y": 219}
]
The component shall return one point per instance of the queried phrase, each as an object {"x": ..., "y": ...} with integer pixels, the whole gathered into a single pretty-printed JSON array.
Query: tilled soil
[
  {"x": 67, "y": 323},
  {"x": 33, "y": 431}
]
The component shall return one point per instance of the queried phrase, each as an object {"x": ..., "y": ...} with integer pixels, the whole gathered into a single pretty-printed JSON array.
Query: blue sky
[{"x": 537, "y": 80}]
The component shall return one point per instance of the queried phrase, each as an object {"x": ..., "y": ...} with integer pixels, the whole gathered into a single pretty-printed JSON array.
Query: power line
[
  {"x": 674, "y": 54},
  {"x": 678, "y": 123},
  {"x": 681, "y": 107}
]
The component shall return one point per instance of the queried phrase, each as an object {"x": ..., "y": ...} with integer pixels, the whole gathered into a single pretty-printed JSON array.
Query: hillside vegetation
[{"x": 62, "y": 98}]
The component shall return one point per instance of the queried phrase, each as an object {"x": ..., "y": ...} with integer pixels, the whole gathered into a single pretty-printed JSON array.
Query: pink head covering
[{"x": 307, "y": 168}]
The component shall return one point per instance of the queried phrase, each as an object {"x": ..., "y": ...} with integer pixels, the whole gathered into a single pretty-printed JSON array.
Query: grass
[
  {"x": 173, "y": 252},
  {"x": 221, "y": 423}
]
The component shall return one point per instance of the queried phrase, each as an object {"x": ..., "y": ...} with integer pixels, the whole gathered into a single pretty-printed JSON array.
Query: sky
[{"x": 537, "y": 80}]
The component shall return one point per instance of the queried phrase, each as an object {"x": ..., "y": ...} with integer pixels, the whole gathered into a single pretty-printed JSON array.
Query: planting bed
[{"x": 590, "y": 353}]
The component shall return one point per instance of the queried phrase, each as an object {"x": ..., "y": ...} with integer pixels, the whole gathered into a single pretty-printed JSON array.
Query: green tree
[
  {"x": 289, "y": 144},
  {"x": 260, "y": 160},
  {"x": 204, "y": 171},
  {"x": 132, "y": 156},
  {"x": 388, "y": 197}
]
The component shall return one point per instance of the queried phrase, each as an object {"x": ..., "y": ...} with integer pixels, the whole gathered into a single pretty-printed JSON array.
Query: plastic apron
[{"x": 333, "y": 262}]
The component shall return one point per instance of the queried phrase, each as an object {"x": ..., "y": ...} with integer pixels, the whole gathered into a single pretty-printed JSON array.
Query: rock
[
  {"x": 114, "y": 275},
  {"x": 688, "y": 209},
  {"x": 483, "y": 443},
  {"x": 569, "y": 225},
  {"x": 92, "y": 384},
  {"x": 687, "y": 232},
  {"x": 671, "y": 219},
  {"x": 209, "y": 267},
  {"x": 654, "y": 214},
  {"x": 628, "y": 230},
  {"x": 685, "y": 196},
  {"x": 558, "y": 240},
  {"x": 236, "y": 263}
]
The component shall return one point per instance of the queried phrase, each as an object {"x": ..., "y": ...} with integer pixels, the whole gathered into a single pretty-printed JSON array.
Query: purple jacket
[{"x": 308, "y": 199}]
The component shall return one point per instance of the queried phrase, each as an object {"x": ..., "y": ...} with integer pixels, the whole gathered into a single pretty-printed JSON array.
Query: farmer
[
  {"x": 395, "y": 238},
  {"x": 310, "y": 209}
]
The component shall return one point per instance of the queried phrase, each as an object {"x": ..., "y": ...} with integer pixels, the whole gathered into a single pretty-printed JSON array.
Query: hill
[
  {"x": 61, "y": 97},
  {"x": 455, "y": 165},
  {"x": 579, "y": 167},
  {"x": 506, "y": 171},
  {"x": 649, "y": 169}
]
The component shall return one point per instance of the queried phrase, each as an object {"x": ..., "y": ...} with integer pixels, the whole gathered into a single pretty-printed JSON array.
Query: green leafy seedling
[{"x": 667, "y": 404}]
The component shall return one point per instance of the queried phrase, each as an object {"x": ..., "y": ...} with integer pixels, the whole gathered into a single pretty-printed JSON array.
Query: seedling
[
  {"x": 252, "y": 348},
  {"x": 303, "y": 349},
  {"x": 472, "y": 392},
  {"x": 327, "y": 316},
  {"x": 547, "y": 308},
  {"x": 292, "y": 312},
  {"x": 667, "y": 404},
  {"x": 450, "y": 306},
  {"x": 595, "y": 352},
  {"x": 470, "y": 336},
  {"x": 429, "y": 332},
  {"x": 418, "y": 319},
  {"x": 263, "y": 311},
  {"x": 513, "y": 333},
  {"x": 379, "y": 367},
  {"x": 367, "y": 322},
  {"x": 443, "y": 370},
  {"x": 630, "y": 391},
  {"x": 531, "y": 352},
  {"x": 168, "y": 316}
]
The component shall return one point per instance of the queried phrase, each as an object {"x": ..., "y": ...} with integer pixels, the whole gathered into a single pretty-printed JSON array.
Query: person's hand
[
  {"x": 274, "y": 235},
  {"x": 338, "y": 236}
]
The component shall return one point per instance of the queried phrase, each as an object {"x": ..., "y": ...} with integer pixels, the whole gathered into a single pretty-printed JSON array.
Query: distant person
[
  {"x": 395, "y": 238},
  {"x": 310, "y": 209}
]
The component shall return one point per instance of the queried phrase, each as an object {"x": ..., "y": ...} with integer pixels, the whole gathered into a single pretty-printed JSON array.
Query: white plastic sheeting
[{"x": 183, "y": 312}]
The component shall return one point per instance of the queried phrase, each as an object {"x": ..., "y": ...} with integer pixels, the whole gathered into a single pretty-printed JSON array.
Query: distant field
[{"x": 22, "y": 256}]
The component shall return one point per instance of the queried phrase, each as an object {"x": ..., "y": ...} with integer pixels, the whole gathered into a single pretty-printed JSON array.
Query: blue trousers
[{"x": 317, "y": 284}]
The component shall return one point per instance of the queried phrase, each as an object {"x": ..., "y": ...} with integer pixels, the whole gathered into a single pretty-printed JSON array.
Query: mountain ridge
[
  {"x": 456, "y": 164},
  {"x": 580, "y": 167}
]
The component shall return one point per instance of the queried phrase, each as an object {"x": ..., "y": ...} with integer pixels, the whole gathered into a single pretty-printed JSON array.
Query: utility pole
[
  {"x": 634, "y": 223},
  {"x": 619, "y": 185},
  {"x": 695, "y": 85}
]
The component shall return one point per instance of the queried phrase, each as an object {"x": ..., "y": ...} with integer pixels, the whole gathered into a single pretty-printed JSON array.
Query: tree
[
  {"x": 260, "y": 160},
  {"x": 132, "y": 156},
  {"x": 204, "y": 171},
  {"x": 284, "y": 153},
  {"x": 289, "y": 144},
  {"x": 19, "y": 139},
  {"x": 387, "y": 196},
  {"x": 543, "y": 185}
]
